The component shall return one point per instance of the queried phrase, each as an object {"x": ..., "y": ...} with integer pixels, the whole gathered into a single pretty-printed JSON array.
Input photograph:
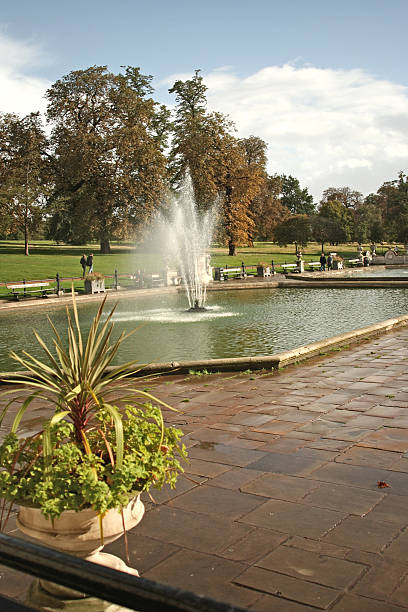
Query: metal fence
[{"x": 99, "y": 581}]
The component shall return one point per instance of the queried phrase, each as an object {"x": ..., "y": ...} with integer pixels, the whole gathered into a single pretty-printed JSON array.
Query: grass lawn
[{"x": 46, "y": 259}]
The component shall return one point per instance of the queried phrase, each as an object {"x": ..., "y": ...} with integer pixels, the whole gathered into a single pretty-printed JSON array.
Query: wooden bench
[
  {"x": 26, "y": 289},
  {"x": 226, "y": 273},
  {"x": 289, "y": 266},
  {"x": 313, "y": 264},
  {"x": 354, "y": 262}
]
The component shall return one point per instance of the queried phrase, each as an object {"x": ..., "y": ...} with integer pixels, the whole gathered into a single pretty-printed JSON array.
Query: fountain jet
[{"x": 189, "y": 234}]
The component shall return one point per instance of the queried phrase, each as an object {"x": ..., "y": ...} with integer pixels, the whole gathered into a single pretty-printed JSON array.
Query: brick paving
[{"x": 280, "y": 508}]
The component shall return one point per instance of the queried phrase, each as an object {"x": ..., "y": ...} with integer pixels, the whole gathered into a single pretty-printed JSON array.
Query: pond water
[
  {"x": 384, "y": 273},
  {"x": 237, "y": 323}
]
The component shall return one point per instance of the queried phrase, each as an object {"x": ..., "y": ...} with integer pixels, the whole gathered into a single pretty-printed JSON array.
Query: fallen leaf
[{"x": 382, "y": 485}]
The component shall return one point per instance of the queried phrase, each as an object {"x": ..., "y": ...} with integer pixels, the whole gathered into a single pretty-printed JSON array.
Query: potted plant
[
  {"x": 78, "y": 479},
  {"x": 95, "y": 283},
  {"x": 263, "y": 269},
  {"x": 338, "y": 262}
]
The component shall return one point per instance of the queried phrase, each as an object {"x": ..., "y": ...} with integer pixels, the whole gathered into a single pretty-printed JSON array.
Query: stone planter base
[
  {"x": 77, "y": 533},
  {"x": 45, "y": 598},
  {"x": 95, "y": 286},
  {"x": 263, "y": 271}
]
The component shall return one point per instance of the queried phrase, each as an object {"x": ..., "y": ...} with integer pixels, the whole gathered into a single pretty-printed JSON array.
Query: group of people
[
  {"x": 326, "y": 261},
  {"x": 86, "y": 262}
]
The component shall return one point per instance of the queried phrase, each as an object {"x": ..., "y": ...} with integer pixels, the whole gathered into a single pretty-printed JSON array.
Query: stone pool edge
[{"x": 271, "y": 362}]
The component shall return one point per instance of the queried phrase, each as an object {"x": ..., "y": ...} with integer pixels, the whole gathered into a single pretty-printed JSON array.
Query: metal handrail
[{"x": 103, "y": 582}]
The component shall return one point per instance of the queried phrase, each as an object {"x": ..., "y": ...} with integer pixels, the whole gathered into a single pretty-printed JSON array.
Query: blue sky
[{"x": 324, "y": 83}]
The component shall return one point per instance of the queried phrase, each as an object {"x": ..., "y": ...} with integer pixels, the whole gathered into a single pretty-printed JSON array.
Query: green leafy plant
[
  {"x": 106, "y": 439},
  {"x": 199, "y": 372}
]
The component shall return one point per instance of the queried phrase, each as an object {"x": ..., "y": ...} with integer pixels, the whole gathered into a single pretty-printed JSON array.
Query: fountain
[{"x": 187, "y": 236}]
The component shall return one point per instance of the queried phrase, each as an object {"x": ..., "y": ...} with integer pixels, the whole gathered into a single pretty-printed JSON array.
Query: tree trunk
[
  {"x": 322, "y": 246},
  {"x": 105, "y": 246},
  {"x": 228, "y": 196},
  {"x": 231, "y": 248},
  {"x": 26, "y": 251}
]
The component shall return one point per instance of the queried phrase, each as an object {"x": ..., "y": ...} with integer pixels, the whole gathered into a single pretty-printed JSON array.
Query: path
[{"x": 280, "y": 509}]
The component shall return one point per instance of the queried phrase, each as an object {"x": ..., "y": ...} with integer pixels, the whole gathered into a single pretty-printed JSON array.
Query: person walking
[
  {"x": 323, "y": 262},
  {"x": 329, "y": 262},
  {"x": 89, "y": 263},
  {"x": 82, "y": 261}
]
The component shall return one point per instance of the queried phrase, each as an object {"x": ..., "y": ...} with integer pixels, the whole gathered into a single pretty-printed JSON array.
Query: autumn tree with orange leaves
[{"x": 222, "y": 166}]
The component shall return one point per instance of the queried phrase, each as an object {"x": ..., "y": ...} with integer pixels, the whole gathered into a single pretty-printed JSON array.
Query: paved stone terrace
[{"x": 280, "y": 508}]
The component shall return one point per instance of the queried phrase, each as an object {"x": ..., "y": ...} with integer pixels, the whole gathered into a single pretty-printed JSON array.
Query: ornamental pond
[{"x": 237, "y": 323}]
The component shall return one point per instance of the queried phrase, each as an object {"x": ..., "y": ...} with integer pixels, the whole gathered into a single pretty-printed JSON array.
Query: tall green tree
[
  {"x": 24, "y": 177},
  {"x": 296, "y": 229},
  {"x": 297, "y": 200},
  {"x": 342, "y": 217},
  {"x": 197, "y": 144},
  {"x": 393, "y": 196},
  {"x": 325, "y": 229},
  {"x": 369, "y": 220},
  {"x": 108, "y": 138}
]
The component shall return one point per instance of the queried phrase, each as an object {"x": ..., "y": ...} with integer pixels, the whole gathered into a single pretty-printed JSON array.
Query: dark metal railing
[
  {"x": 7, "y": 605},
  {"x": 99, "y": 581}
]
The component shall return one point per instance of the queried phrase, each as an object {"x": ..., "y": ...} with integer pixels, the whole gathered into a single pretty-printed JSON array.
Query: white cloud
[
  {"x": 326, "y": 127},
  {"x": 20, "y": 92}
]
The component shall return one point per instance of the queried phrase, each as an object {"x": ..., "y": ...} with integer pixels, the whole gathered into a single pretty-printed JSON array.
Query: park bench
[
  {"x": 354, "y": 262},
  {"x": 26, "y": 289},
  {"x": 313, "y": 264},
  {"x": 289, "y": 266},
  {"x": 226, "y": 273}
]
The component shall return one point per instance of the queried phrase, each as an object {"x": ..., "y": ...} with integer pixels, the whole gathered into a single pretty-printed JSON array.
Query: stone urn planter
[
  {"x": 263, "y": 271},
  {"x": 78, "y": 534},
  {"x": 95, "y": 286}
]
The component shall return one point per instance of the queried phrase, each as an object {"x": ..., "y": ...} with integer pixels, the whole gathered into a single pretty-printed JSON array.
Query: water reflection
[{"x": 238, "y": 323}]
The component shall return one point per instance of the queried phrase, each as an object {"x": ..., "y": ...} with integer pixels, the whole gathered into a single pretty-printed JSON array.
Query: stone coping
[
  {"x": 67, "y": 298},
  {"x": 345, "y": 283},
  {"x": 271, "y": 362}
]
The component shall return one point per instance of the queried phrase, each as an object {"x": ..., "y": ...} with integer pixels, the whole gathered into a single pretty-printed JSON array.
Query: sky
[{"x": 322, "y": 82}]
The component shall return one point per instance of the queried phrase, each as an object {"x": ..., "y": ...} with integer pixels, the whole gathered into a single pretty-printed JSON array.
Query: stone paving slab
[{"x": 296, "y": 496}]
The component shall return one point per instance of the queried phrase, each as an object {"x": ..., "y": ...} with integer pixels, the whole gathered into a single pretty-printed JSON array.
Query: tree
[
  {"x": 197, "y": 141},
  {"x": 23, "y": 174},
  {"x": 325, "y": 229},
  {"x": 342, "y": 217},
  {"x": 254, "y": 149},
  {"x": 295, "y": 229},
  {"x": 369, "y": 221},
  {"x": 345, "y": 195},
  {"x": 240, "y": 179},
  {"x": 394, "y": 198},
  {"x": 267, "y": 209},
  {"x": 297, "y": 200},
  {"x": 108, "y": 138},
  {"x": 222, "y": 167}
]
